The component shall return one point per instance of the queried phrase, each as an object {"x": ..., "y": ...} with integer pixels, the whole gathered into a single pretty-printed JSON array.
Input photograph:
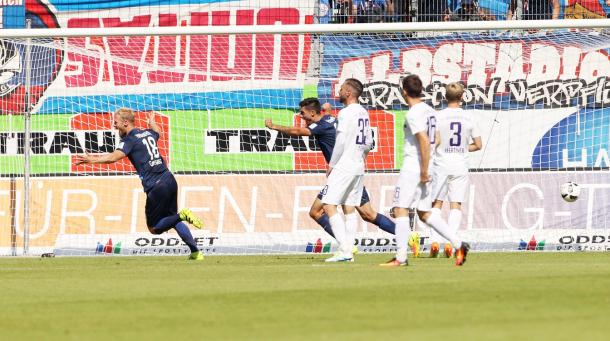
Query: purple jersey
[{"x": 141, "y": 148}]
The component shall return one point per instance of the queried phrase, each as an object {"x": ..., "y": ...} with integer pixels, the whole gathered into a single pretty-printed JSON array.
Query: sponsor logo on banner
[
  {"x": 519, "y": 206},
  {"x": 164, "y": 245},
  {"x": 130, "y": 244},
  {"x": 384, "y": 245},
  {"x": 60, "y": 142},
  {"x": 376, "y": 245},
  {"x": 255, "y": 141},
  {"x": 88, "y": 133},
  {"x": 108, "y": 248},
  {"x": 584, "y": 242},
  {"x": 532, "y": 245},
  {"x": 307, "y": 155},
  {"x": 317, "y": 247}
]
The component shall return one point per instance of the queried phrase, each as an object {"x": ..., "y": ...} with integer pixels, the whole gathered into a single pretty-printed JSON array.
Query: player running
[
  {"x": 140, "y": 146},
  {"x": 450, "y": 172},
  {"x": 322, "y": 126},
  {"x": 412, "y": 186},
  {"x": 344, "y": 185}
]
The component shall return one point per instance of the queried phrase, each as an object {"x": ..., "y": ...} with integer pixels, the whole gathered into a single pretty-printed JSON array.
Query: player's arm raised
[
  {"x": 152, "y": 124},
  {"x": 106, "y": 158},
  {"x": 292, "y": 131}
]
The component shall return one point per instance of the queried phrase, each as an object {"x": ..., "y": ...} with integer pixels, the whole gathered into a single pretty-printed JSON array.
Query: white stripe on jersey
[{"x": 456, "y": 129}]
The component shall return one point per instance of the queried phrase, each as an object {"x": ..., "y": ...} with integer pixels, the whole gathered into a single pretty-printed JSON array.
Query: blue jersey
[
  {"x": 325, "y": 131},
  {"x": 141, "y": 148}
]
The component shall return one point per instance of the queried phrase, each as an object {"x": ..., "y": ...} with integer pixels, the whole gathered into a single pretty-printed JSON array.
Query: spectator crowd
[{"x": 372, "y": 11}]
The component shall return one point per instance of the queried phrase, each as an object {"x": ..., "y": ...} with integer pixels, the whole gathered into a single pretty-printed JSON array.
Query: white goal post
[
  {"x": 444, "y": 26},
  {"x": 539, "y": 91}
]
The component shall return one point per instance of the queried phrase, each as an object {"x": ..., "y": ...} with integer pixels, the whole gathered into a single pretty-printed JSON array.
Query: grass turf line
[{"x": 495, "y": 296}]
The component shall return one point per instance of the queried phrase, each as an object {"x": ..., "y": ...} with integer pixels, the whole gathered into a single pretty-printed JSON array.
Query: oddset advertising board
[
  {"x": 539, "y": 105},
  {"x": 256, "y": 208}
]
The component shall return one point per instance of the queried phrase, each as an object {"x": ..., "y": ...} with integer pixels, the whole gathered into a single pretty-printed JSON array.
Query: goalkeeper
[
  {"x": 140, "y": 146},
  {"x": 323, "y": 128}
]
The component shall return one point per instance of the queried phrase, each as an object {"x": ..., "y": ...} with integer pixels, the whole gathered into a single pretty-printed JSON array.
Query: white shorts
[
  {"x": 410, "y": 192},
  {"x": 452, "y": 188},
  {"x": 342, "y": 189}
]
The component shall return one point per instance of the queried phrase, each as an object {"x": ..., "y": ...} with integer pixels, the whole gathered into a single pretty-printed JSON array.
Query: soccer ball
[{"x": 570, "y": 191}]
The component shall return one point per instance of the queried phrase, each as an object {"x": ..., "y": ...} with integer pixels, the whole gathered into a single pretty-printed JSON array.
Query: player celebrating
[
  {"x": 455, "y": 131},
  {"x": 322, "y": 126},
  {"x": 140, "y": 146},
  {"x": 412, "y": 186}
]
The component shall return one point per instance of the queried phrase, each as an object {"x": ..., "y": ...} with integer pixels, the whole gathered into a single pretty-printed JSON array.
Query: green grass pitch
[{"x": 495, "y": 296}]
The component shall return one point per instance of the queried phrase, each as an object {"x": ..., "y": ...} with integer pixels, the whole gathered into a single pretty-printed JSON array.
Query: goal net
[{"x": 539, "y": 97}]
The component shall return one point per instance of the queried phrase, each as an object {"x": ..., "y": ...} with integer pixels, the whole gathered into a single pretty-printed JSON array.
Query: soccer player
[
  {"x": 344, "y": 185},
  {"x": 456, "y": 130},
  {"x": 322, "y": 126},
  {"x": 412, "y": 185},
  {"x": 140, "y": 146}
]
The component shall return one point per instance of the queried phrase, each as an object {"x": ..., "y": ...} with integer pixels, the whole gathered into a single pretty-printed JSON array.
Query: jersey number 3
[
  {"x": 363, "y": 124},
  {"x": 456, "y": 137},
  {"x": 151, "y": 146}
]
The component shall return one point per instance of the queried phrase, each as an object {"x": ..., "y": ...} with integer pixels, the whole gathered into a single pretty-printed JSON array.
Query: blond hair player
[{"x": 456, "y": 136}]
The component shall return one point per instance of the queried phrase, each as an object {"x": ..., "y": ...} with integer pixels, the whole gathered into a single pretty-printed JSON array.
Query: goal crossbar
[{"x": 303, "y": 28}]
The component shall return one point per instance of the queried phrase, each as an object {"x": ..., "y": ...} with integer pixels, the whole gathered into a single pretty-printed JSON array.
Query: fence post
[{"x": 26, "y": 152}]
